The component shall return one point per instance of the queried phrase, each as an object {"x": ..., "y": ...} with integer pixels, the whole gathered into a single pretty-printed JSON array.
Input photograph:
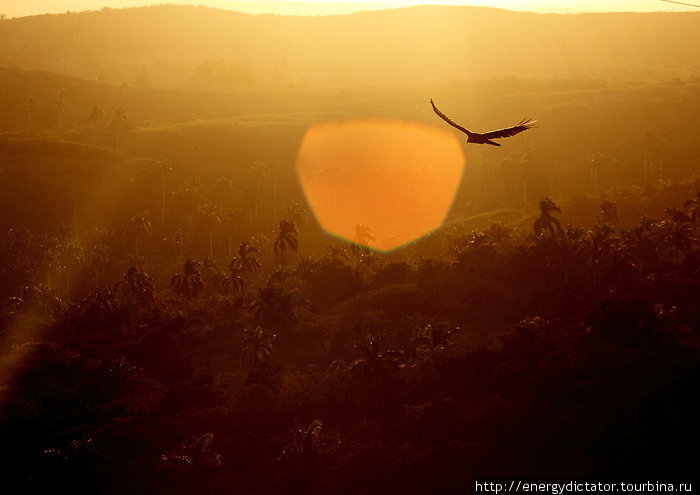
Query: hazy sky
[{"x": 15, "y": 8}]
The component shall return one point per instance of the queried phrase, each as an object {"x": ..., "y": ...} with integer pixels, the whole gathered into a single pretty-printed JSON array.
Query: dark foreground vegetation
[{"x": 564, "y": 351}]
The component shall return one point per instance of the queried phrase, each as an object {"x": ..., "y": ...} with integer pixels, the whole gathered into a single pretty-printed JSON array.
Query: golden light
[{"x": 380, "y": 183}]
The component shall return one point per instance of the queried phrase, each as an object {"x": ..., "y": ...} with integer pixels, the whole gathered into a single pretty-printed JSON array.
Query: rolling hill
[{"x": 180, "y": 46}]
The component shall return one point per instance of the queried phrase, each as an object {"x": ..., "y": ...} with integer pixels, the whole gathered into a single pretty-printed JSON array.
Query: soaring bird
[{"x": 485, "y": 138}]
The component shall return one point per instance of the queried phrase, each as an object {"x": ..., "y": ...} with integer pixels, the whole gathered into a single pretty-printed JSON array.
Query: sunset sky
[{"x": 13, "y": 8}]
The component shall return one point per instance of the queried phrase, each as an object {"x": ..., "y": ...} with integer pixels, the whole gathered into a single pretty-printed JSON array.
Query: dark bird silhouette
[{"x": 485, "y": 138}]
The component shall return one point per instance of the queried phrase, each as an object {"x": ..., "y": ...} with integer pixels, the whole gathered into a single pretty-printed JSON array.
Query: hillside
[
  {"x": 180, "y": 46},
  {"x": 223, "y": 133}
]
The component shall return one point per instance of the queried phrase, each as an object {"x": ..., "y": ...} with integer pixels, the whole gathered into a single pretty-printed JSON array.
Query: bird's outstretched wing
[
  {"x": 524, "y": 125},
  {"x": 447, "y": 119}
]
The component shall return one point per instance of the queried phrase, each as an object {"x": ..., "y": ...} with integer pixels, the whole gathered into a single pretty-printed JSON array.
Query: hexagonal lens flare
[{"x": 380, "y": 183}]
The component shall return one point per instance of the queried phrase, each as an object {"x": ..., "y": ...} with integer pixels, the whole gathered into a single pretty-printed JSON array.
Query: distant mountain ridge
[{"x": 172, "y": 45}]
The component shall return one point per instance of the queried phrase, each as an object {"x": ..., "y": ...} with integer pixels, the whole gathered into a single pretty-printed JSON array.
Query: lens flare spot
[{"x": 379, "y": 183}]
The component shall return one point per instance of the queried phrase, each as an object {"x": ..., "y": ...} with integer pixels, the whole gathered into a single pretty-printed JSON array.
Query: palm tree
[
  {"x": 187, "y": 197},
  {"x": 119, "y": 119},
  {"x": 692, "y": 206},
  {"x": 433, "y": 337},
  {"x": 235, "y": 281},
  {"x": 139, "y": 227},
  {"x": 19, "y": 240},
  {"x": 99, "y": 305},
  {"x": 608, "y": 213},
  {"x": 304, "y": 441},
  {"x": 96, "y": 119},
  {"x": 546, "y": 222},
  {"x": 620, "y": 265},
  {"x": 38, "y": 299},
  {"x": 306, "y": 267},
  {"x": 286, "y": 240},
  {"x": 174, "y": 245},
  {"x": 275, "y": 308},
  {"x": 257, "y": 349},
  {"x": 137, "y": 287},
  {"x": 498, "y": 234},
  {"x": 679, "y": 239},
  {"x": 188, "y": 283},
  {"x": 337, "y": 253},
  {"x": 245, "y": 263},
  {"x": 643, "y": 243},
  {"x": 372, "y": 362}
]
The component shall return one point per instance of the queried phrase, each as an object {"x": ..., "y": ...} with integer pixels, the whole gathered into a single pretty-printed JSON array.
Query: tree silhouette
[
  {"x": 286, "y": 240},
  {"x": 188, "y": 283},
  {"x": 608, "y": 213},
  {"x": 235, "y": 281},
  {"x": 19, "y": 240},
  {"x": 433, "y": 337},
  {"x": 546, "y": 223},
  {"x": 186, "y": 199},
  {"x": 304, "y": 441},
  {"x": 337, "y": 253},
  {"x": 137, "y": 287},
  {"x": 372, "y": 362},
  {"x": 692, "y": 206},
  {"x": 138, "y": 227},
  {"x": 257, "y": 349},
  {"x": 275, "y": 308},
  {"x": 245, "y": 263}
]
